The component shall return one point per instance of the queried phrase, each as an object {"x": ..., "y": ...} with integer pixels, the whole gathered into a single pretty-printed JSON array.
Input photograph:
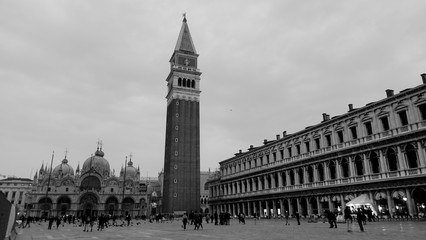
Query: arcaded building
[
  {"x": 377, "y": 150},
  {"x": 93, "y": 190}
]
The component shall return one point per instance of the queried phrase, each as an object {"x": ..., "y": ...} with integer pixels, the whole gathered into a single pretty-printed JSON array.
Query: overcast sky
[{"x": 73, "y": 72}]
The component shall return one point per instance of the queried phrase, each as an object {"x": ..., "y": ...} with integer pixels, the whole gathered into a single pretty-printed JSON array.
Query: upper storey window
[
  {"x": 317, "y": 143},
  {"x": 403, "y": 118},
  {"x": 298, "y": 149},
  {"x": 385, "y": 123},
  {"x": 307, "y": 146},
  {"x": 422, "y": 109},
  {"x": 328, "y": 140},
  {"x": 353, "y": 132},
  {"x": 368, "y": 128},
  {"x": 340, "y": 136}
]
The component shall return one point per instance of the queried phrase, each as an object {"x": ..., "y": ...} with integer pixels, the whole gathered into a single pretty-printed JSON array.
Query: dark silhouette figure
[
  {"x": 298, "y": 218},
  {"x": 360, "y": 218}
]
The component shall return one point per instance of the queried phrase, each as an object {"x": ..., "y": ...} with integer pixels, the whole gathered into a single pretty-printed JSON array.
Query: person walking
[
  {"x": 27, "y": 222},
  {"x": 360, "y": 218},
  {"x": 298, "y": 218},
  {"x": 184, "y": 221},
  {"x": 348, "y": 218},
  {"x": 332, "y": 219},
  {"x": 286, "y": 216}
]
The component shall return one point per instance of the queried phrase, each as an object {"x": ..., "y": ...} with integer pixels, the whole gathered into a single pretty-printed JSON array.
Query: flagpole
[
  {"x": 124, "y": 187},
  {"x": 48, "y": 181}
]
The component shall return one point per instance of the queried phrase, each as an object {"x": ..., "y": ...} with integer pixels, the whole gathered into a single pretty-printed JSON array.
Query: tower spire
[{"x": 184, "y": 42}]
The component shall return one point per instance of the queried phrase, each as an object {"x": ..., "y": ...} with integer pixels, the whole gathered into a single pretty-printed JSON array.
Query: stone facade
[
  {"x": 94, "y": 190},
  {"x": 16, "y": 191},
  {"x": 377, "y": 150}
]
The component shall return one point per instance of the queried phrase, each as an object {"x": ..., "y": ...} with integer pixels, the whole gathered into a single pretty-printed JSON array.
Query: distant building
[
  {"x": 16, "y": 191},
  {"x": 377, "y": 150},
  {"x": 181, "y": 186},
  {"x": 93, "y": 190}
]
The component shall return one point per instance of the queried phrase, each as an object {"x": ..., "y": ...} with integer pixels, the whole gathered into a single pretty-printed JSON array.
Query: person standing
[
  {"x": 58, "y": 221},
  {"x": 298, "y": 218},
  {"x": 348, "y": 218},
  {"x": 184, "y": 221},
  {"x": 360, "y": 218},
  {"x": 286, "y": 215}
]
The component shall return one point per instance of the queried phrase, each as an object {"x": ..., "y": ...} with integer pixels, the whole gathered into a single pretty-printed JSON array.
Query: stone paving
[{"x": 259, "y": 229}]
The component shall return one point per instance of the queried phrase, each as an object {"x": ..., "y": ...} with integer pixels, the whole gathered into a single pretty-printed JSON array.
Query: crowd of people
[{"x": 195, "y": 218}]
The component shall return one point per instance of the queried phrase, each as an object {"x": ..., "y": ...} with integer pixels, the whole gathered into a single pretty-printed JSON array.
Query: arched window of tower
[
  {"x": 180, "y": 82},
  {"x": 184, "y": 82},
  {"x": 193, "y": 84}
]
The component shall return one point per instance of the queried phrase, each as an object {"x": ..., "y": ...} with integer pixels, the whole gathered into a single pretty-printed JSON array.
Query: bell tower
[{"x": 181, "y": 185}]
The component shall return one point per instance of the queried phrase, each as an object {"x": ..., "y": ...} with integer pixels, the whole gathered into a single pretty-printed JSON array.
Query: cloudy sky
[{"x": 73, "y": 72}]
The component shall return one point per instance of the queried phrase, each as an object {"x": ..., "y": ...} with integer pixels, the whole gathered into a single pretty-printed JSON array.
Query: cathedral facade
[
  {"x": 377, "y": 151},
  {"x": 93, "y": 190}
]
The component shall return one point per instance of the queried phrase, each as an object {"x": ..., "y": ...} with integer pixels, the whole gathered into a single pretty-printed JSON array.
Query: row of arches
[
  {"x": 374, "y": 162},
  {"x": 89, "y": 205},
  {"x": 390, "y": 202},
  {"x": 183, "y": 82}
]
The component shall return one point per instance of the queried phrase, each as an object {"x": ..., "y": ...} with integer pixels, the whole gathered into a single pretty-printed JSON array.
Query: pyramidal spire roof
[{"x": 184, "y": 42}]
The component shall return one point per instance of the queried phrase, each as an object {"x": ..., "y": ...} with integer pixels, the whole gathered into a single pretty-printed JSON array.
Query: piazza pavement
[{"x": 253, "y": 229}]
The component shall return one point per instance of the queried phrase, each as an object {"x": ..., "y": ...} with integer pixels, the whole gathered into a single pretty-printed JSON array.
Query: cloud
[{"x": 74, "y": 72}]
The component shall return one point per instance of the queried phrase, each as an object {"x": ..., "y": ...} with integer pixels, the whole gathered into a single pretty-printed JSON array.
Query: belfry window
[{"x": 193, "y": 84}]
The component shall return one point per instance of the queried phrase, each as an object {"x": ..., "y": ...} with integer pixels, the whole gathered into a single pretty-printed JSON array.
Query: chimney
[
  {"x": 284, "y": 133},
  {"x": 265, "y": 141},
  {"x": 251, "y": 147},
  {"x": 389, "y": 92},
  {"x": 278, "y": 137},
  {"x": 241, "y": 151},
  {"x": 351, "y": 107},
  {"x": 325, "y": 117},
  {"x": 423, "y": 77}
]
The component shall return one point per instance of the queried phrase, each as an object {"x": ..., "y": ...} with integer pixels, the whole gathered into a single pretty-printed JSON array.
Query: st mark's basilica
[{"x": 94, "y": 190}]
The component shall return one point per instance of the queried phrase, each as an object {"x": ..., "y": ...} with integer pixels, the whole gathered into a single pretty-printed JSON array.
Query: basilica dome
[
  {"x": 97, "y": 163},
  {"x": 131, "y": 171},
  {"x": 63, "y": 169}
]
